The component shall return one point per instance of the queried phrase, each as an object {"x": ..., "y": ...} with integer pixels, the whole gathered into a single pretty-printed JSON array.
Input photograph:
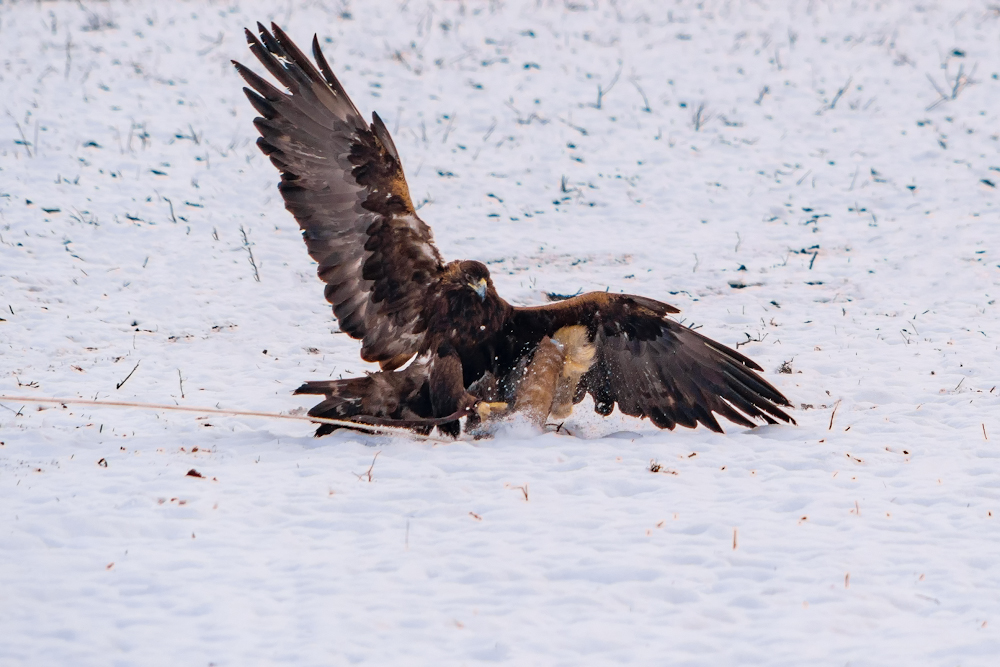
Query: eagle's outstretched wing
[
  {"x": 651, "y": 366},
  {"x": 343, "y": 182}
]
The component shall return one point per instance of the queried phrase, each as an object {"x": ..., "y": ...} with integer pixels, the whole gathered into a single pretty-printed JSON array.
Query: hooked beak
[{"x": 479, "y": 287}]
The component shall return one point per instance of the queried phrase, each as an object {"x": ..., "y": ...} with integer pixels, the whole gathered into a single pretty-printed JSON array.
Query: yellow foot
[{"x": 485, "y": 410}]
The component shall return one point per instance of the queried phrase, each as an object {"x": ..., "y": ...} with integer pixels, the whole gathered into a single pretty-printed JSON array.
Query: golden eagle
[{"x": 342, "y": 180}]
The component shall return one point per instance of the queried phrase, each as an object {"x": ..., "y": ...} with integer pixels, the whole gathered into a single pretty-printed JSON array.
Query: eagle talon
[{"x": 485, "y": 409}]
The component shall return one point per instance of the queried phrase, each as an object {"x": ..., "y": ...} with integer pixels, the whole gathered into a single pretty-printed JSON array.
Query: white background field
[{"x": 815, "y": 181}]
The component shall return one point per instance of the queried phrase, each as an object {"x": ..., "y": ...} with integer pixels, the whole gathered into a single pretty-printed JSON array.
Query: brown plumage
[{"x": 342, "y": 180}]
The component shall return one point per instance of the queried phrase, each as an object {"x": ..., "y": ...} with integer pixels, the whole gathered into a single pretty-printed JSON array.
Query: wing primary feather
[
  {"x": 757, "y": 384},
  {"x": 260, "y": 104},
  {"x": 704, "y": 415},
  {"x": 721, "y": 406},
  {"x": 330, "y": 77},
  {"x": 729, "y": 352},
  {"x": 296, "y": 55},
  {"x": 269, "y": 92},
  {"x": 759, "y": 404},
  {"x": 306, "y": 71},
  {"x": 298, "y": 75},
  {"x": 264, "y": 55},
  {"x": 659, "y": 417},
  {"x": 695, "y": 405},
  {"x": 281, "y": 103},
  {"x": 383, "y": 135}
]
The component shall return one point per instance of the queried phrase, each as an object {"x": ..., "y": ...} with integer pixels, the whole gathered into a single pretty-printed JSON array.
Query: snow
[{"x": 821, "y": 213}]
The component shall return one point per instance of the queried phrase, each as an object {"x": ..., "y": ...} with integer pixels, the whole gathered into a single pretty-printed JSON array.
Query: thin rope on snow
[{"x": 371, "y": 428}]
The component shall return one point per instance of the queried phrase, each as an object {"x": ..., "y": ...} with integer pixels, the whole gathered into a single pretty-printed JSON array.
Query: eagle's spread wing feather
[
  {"x": 651, "y": 366},
  {"x": 343, "y": 182}
]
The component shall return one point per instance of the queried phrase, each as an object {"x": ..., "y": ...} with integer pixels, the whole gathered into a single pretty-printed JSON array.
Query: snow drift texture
[{"x": 817, "y": 180}]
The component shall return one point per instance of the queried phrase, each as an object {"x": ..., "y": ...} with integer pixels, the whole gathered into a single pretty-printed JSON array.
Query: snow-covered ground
[{"x": 786, "y": 173}]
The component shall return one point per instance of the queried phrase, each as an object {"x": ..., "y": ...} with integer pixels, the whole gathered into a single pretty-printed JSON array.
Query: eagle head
[
  {"x": 468, "y": 307},
  {"x": 476, "y": 277}
]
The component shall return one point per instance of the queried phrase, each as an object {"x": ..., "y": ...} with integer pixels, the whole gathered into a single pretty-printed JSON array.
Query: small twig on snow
[
  {"x": 448, "y": 128},
  {"x": 961, "y": 82},
  {"x": 253, "y": 262},
  {"x": 700, "y": 117},
  {"x": 522, "y": 489},
  {"x": 836, "y": 98},
  {"x": 120, "y": 384},
  {"x": 758, "y": 339},
  {"x": 645, "y": 101},
  {"x": 601, "y": 92},
  {"x": 24, "y": 139},
  {"x": 581, "y": 130},
  {"x": 832, "y": 415},
  {"x": 368, "y": 474},
  {"x": 69, "y": 54}
]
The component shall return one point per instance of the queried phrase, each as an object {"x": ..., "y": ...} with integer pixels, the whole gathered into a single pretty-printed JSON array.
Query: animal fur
[
  {"x": 551, "y": 378},
  {"x": 534, "y": 394},
  {"x": 578, "y": 357}
]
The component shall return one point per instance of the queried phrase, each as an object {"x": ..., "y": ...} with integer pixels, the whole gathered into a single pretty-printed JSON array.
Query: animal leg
[
  {"x": 579, "y": 354},
  {"x": 534, "y": 395}
]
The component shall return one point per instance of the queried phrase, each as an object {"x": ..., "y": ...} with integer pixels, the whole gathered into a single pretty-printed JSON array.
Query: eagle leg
[{"x": 447, "y": 389}]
